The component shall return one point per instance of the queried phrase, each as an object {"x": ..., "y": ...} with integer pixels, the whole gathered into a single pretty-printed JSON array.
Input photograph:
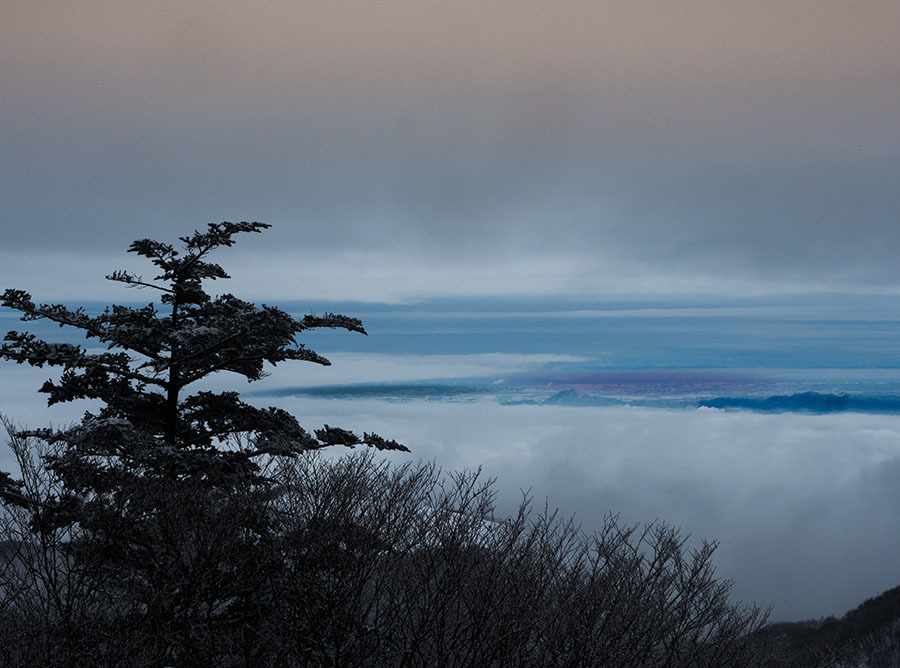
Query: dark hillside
[{"x": 868, "y": 635}]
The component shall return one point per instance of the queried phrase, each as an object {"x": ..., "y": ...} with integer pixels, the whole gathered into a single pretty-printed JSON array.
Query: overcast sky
[{"x": 410, "y": 148}]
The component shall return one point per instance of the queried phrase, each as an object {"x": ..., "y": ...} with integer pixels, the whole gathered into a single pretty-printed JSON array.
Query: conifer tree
[
  {"x": 155, "y": 511},
  {"x": 149, "y": 424}
]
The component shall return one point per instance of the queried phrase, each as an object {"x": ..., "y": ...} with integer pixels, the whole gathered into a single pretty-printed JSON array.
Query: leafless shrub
[
  {"x": 353, "y": 562},
  {"x": 53, "y": 607},
  {"x": 403, "y": 566}
]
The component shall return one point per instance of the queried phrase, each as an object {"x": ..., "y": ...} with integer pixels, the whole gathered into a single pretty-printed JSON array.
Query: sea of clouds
[{"x": 803, "y": 506}]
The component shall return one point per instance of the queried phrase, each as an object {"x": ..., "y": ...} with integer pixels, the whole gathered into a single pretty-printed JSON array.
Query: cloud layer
[{"x": 803, "y": 505}]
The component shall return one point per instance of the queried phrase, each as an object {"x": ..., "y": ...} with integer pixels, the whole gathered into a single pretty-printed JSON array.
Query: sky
[
  {"x": 406, "y": 149},
  {"x": 639, "y": 165}
]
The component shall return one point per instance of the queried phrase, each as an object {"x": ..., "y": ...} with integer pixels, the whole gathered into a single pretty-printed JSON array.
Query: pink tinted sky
[{"x": 492, "y": 147}]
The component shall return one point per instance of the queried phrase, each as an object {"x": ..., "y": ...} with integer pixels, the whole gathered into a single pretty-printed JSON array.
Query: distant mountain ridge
[
  {"x": 810, "y": 402},
  {"x": 510, "y": 394}
]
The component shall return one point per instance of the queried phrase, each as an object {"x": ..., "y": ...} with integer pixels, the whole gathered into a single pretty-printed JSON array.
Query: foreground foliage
[{"x": 358, "y": 563}]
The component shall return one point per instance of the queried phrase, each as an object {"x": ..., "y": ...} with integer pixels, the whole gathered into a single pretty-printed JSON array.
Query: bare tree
[
  {"x": 354, "y": 562},
  {"x": 404, "y": 566}
]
